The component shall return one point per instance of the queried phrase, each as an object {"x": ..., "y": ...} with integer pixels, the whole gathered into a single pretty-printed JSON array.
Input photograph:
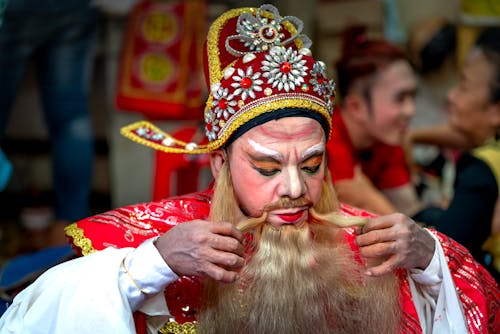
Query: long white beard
[{"x": 295, "y": 283}]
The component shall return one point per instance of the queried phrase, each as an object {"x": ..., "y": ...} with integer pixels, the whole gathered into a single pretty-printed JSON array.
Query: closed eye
[
  {"x": 311, "y": 169},
  {"x": 311, "y": 165},
  {"x": 267, "y": 171},
  {"x": 266, "y": 167}
]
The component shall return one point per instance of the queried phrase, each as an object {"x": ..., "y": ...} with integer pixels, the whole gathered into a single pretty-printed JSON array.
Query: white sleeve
[
  {"x": 435, "y": 298},
  {"x": 144, "y": 273},
  {"x": 78, "y": 296},
  {"x": 87, "y": 295}
]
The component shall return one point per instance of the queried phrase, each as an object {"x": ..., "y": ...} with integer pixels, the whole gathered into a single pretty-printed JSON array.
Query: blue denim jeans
[{"x": 57, "y": 36}]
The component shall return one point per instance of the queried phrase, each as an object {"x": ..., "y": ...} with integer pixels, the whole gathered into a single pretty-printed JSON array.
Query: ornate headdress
[{"x": 259, "y": 67}]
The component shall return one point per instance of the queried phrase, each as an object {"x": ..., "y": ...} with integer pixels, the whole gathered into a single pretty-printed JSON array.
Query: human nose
[
  {"x": 409, "y": 107},
  {"x": 292, "y": 184}
]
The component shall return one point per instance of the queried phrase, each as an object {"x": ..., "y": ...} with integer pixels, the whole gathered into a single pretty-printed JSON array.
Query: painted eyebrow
[
  {"x": 273, "y": 156},
  {"x": 312, "y": 151},
  {"x": 263, "y": 158},
  {"x": 263, "y": 153}
]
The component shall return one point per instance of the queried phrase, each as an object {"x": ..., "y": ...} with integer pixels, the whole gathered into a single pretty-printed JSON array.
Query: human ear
[
  {"x": 217, "y": 159},
  {"x": 355, "y": 105}
]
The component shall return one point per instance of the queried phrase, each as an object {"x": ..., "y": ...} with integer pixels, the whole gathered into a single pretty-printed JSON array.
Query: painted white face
[
  {"x": 279, "y": 159},
  {"x": 392, "y": 103}
]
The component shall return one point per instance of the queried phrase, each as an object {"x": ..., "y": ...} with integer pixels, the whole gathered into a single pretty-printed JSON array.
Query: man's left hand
[{"x": 397, "y": 241}]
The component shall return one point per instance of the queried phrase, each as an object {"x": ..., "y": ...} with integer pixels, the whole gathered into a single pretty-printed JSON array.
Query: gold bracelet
[{"x": 132, "y": 279}]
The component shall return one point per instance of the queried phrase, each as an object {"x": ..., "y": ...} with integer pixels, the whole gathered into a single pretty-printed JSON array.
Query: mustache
[
  {"x": 282, "y": 203},
  {"x": 287, "y": 203}
]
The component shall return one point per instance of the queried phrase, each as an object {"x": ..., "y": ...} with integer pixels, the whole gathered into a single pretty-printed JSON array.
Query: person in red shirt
[{"x": 378, "y": 88}]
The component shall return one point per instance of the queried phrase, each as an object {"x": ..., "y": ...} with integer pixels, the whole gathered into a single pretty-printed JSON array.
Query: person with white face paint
[
  {"x": 267, "y": 248},
  {"x": 378, "y": 87}
]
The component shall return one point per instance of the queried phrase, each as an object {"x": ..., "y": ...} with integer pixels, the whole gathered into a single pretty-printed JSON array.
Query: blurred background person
[
  {"x": 57, "y": 37},
  {"x": 377, "y": 87},
  {"x": 473, "y": 128}
]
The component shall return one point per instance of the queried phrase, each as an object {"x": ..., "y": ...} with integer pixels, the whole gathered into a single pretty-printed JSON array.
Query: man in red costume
[
  {"x": 378, "y": 88},
  {"x": 268, "y": 249}
]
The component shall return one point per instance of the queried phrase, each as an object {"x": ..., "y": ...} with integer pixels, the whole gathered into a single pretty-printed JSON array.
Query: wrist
[{"x": 430, "y": 247}]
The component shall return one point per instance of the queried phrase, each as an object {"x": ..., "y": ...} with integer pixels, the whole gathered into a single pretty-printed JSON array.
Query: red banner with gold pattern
[{"x": 160, "y": 73}]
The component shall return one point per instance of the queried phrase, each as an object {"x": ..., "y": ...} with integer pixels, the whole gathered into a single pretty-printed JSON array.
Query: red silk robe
[{"x": 131, "y": 225}]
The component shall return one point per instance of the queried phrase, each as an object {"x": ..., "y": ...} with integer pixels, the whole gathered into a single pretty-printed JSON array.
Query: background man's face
[
  {"x": 469, "y": 107},
  {"x": 281, "y": 158}
]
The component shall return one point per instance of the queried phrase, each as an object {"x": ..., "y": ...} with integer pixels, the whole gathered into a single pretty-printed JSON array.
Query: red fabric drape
[{"x": 160, "y": 73}]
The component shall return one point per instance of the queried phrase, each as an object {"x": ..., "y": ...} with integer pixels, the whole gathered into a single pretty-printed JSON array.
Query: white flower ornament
[
  {"x": 246, "y": 84},
  {"x": 284, "y": 68},
  {"x": 223, "y": 103}
]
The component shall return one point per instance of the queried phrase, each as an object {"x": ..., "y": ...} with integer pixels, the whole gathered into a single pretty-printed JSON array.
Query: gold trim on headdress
[
  {"x": 215, "y": 70},
  {"x": 147, "y": 134}
]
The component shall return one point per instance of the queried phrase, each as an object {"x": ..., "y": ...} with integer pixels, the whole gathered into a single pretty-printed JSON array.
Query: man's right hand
[{"x": 203, "y": 248}]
